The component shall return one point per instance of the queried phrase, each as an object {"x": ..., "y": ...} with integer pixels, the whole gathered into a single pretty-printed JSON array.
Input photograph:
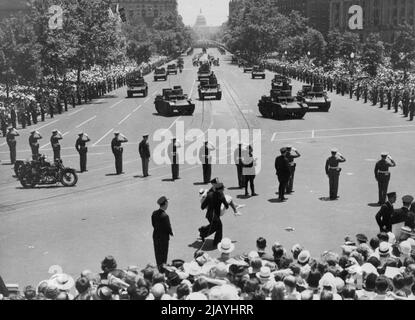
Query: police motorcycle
[{"x": 42, "y": 172}]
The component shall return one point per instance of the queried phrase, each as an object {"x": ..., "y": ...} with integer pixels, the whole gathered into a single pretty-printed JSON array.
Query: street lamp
[{"x": 352, "y": 56}]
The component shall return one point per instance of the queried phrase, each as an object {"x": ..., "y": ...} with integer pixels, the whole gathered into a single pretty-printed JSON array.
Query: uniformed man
[
  {"x": 161, "y": 233},
  {"x": 401, "y": 215},
  {"x": 381, "y": 97},
  {"x": 365, "y": 93},
  {"x": 384, "y": 216},
  {"x": 206, "y": 160},
  {"x": 3, "y": 121},
  {"x": 117, "y": 150},
  {"x": 42, "y": 112},
  {"x": 11, "y": 142},
  {"x": 51, "y": 108},
  {"x": 238, "y": 157},
  {"x": 333, "y": 172},
  {"x": 34, "y": 143},
  {"x": 291, "y": 154},
  {"x": 144, "y": 151},
  {"x": 358, "y": 89},
  {"x": 382, "y": 175},
  {"x": 22, "y": 118},
  {"x": 412, "y": 109},
  {"x": 56, "y": 147},
  {"x": 282, "y": 168},
  {"x": 13, "y": 116},
  {"x": 174, "y": 158},
  {"x": 389, "y": 97},
  {"x": 351, "y": 86},
  {"x": 82, "y": 149},
  {"x": 249, "y": 171}
]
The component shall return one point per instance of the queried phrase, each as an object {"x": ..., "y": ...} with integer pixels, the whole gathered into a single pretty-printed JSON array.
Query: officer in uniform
[
  {"x": 56, "y": 147},
  {"x": 282, "y": 168},
  {"x": 206, "y": 160},
  {"x": 162, "y": 232},
  {"x": 384, "y": 215},
  {"x": 333, "y": 172},
  {"x": 365, "y": 93},
  {"x": 351, "y": 86},
  {"x": 34, "y": 143},
  {"x": 51, "y": 108},
  {"x": 412, "y": 109},
  {"x": 396, "y": 100},
  {"x": 389, "y": 97},
  {"x": 174, "y": 158},
  {"x": 42, "y": 112},
  {"x": 291, "y": 154},
  {"x": 117, "y": 150},
  {"x": 22, "y": 118},
  {"x": 238, "y": 158},
  {"x": 406, "y": 103},
  {"x": 382, "y": 175},
  {"x": 82, "y": 149},
  {"x": 358, "y": 92},
  {"x": 11, "y": 142},
  {"x": 144, "y": 151},
  {"x": 381, "y": 97},
  {"x": 13, "y": 116}
]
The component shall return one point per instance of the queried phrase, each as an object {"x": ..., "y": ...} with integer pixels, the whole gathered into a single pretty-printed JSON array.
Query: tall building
[
  {"x": 381, "y": 16},
  {"x": 317, "y": 11},
  {"x": 146, "y": 10}
]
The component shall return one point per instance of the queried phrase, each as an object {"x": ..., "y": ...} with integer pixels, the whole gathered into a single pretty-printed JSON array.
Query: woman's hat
[
  {"x": 62, "y": 281},
  {"x": 264, "y": 274},
  {"x": 226, "y": 246},
  {"x": 304, "y": 257}
]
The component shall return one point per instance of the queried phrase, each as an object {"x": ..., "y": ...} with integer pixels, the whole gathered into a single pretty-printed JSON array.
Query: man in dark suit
[
  {"x": 213, "y": 202},
  {"x": 384, "y": 216},
  {"x": 206, "y": 160},
  {"x": 162, "y": 232},
  {"x": 144, "y": 151},
  {"x": 282, "y": 168}
]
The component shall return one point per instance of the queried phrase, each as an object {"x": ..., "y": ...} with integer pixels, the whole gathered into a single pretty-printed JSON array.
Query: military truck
[
  {"x": 208, "y": 89},
  {"x": 314, "y": 97},
  {"x": 204, "y": 71},
  {"x": 173, "y": 101},
  {"x": 172, "y": 69},
  {"x": 160, "y": 73},
  {"x": 136, "y": 84},
  {"x": 258, "y": 72},
  {"x": 281, "y": 105}
]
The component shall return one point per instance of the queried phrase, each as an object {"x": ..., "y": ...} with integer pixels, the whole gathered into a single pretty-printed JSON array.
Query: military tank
[
  {"x": 160, "y": 73},
  {"x": 204, "y": 71},
  {"x": 258, "y": 72},
  {"x": 208, "y": 89},
  {"x": 315, "y": 97},
  {"x": 279, "y": 80},
  {"x": 281, "y": 105},
  {"x": 172, "y": 69},
  {"x": 173, "y": 101},
  {"x": 248, "y": 67},
  {"x": 136, "y": 84}
]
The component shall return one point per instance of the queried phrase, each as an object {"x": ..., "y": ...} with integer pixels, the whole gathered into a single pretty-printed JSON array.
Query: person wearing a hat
[
  {"x": 11, "y": 142},
  {"x": 144, "y": 151},
  {"x": 174, "y": 158},
  {"x": 282, "y": 167},
  {"x": 291, "y": 154},
  {"x": 382, "y": 175},
  {"x": 333, "y": 172},
  {"x": 206, "y": 160},
  {"x": 408, "y": 211},
  {"x": 82, "y": 149},
  {"x": 56, "y": 147},
  {"x": 384, "y": 215},
  {"x": 248, "y": 171},
  {"x": 238, "y": 158},
  {"x": 117, "y": 150},
  {"x": 34, "y": 143},
  {"x": 162, "y": 232}
]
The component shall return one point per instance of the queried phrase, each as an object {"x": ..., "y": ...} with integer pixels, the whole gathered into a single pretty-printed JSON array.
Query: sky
[{"x": 215, "y": 11}]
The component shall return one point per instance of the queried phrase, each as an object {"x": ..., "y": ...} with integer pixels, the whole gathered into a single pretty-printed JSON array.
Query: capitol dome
[{"x": 200, "y": 20}]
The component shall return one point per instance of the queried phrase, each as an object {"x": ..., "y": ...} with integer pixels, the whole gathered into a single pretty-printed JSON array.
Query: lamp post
[{"x": 351, "y": 67}]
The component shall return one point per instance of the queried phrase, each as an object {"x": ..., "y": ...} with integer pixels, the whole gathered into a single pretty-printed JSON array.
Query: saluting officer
[
  {"x": 34, "y": 143},
  {"x": 56, "y": 147},
  {"x": 117, "y": 150},
  {"x": 382, "y": 175},
  {"x": 384, "y": 215},
  {"x": 291, "y": 154},
  {"x": 82, "y": 149},
  {"x": 11, "y": 142},
  {"x": 174, "y": 158},
  {"x": 238, "y": 158},
  {"x": 144, "y": 151},
  {"x": 333, "y": 172},
  {"x": 206, "y": 160}
]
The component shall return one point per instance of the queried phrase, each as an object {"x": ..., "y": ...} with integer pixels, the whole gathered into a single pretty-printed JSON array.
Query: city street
[{"x": 106, "y": 214}]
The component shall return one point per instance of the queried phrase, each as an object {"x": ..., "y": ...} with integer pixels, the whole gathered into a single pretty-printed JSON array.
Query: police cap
[
  {"x": 391, "y": 194},
  {"x": 384, "y": 154},
  {"x": 361, "y": 238},
  {"x": 161, "y": 201},
  {"x": 407, "y": 199}
]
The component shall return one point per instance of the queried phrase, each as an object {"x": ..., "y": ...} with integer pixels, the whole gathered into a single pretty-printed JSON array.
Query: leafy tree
[
  {"x": 403, "y": 49},
  {"x": 372, "y": 54}
]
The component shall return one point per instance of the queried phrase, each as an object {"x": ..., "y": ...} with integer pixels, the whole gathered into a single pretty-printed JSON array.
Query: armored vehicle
[
  {"x": 282, "y": 105},
  {"x": 314, "y": 97},
  {"x": 248, "y": 67},
  {"x": 136, "y": 84},
  {"x": 258, "y": 72},
  {"x": 278, "y": 81},
  {"x": 209, "y": 89},
  {"x": 172, "y": 69},
  {"x": 173, "y": 100},
  {"x": 160, "y": 73},
  {"x": 204, "y": 71}
]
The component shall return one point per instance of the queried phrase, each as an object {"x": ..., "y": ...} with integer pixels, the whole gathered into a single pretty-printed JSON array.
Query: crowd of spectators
[{"x": 380, "y": 268}]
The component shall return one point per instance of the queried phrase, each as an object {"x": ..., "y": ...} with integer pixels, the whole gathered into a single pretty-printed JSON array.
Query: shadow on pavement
[
  {"x": 234, "y": 188},
  {"x": 200, "y": 184},
  {"x": 374, "y": 205},
  {"x": 111, "y": 174},
  {"x": 242, "y": 196},
  {"x": 326, "y": 199},
  {"x": 7, "y": 164},
  {"x": 276, "y": 200},
  {"x": 205, "y": 246},
  {"x": 168, "y": 180}
]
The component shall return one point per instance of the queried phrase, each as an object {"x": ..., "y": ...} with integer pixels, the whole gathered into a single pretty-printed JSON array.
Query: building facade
[
  {"x": 146, "y": 10},
  {"x": 382, "y": 16}
]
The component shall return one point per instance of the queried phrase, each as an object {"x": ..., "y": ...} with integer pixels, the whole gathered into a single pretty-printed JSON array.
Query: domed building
[
  {"x": 200, "y": 20},
  {"x": 202, "y": 29}
]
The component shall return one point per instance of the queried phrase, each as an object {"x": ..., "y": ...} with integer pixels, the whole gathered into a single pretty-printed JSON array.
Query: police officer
[
  {"x": 11, "y": 142},
  {"x": 206, "y": 160},
  {"x": 56, "y": 147},
  {"x": 82, "y": 149},
  {"x": 384, "y": 215},
  {"x": 382, "y": 175},
  {"x": 282, "y": 169},
  {"x": 117, "y": 150},
  {"x": 144, "y": 151},
  {"x": 238, "y": 156},
  {"x": 333, "y": 172},
  {"x": 174, "y": 158},
  {"x": 291, "y": 154},
  {"x": 22, "y": 118},
  {"x": 34, "y": 143},
  {"x": 412, "y": 109}
]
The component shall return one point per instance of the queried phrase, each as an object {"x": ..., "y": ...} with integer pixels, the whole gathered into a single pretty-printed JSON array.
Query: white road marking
[
  {"x": 370, "y": 160},
  {"x": 345, "y": 129},
  {"x": 154, "y": 93},
  {"x": 49, "y": 142},
  {"x": 86, "y": 121},
  {"x": 349, "y": 135},
  {"x": 148, "y": 99},
  {"x": 116, "y": 104},
  {"x": 71, "y": 114},
  {"x": 193, "y": 86},
  {"x": 48, "y": 124},
  {"x": 139, "y": 107},
  {"x": 312, "y": 134},
  {"x": 273, "y": 136},
  {"x": 129, "y": 115},
  {"x": 102, "y": 138},
  {"x": 171, "y": 125},
  {"x": 3, "y": 144}
]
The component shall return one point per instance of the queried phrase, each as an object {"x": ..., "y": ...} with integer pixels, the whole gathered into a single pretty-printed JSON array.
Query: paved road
[{"x": 106, "y": 214}]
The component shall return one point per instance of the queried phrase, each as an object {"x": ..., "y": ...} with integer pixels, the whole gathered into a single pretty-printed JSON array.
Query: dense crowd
[{"x": 380, "y": 268}]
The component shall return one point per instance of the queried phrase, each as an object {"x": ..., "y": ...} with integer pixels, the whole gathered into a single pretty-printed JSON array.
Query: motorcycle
[{"x": 43, "y": 173}]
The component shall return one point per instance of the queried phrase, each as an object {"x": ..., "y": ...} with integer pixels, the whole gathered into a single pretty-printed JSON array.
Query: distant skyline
[{"x": 215, "y": 11}]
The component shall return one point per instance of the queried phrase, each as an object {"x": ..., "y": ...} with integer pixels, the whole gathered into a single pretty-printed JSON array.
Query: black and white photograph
[{"x": 207, "y": 150}]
